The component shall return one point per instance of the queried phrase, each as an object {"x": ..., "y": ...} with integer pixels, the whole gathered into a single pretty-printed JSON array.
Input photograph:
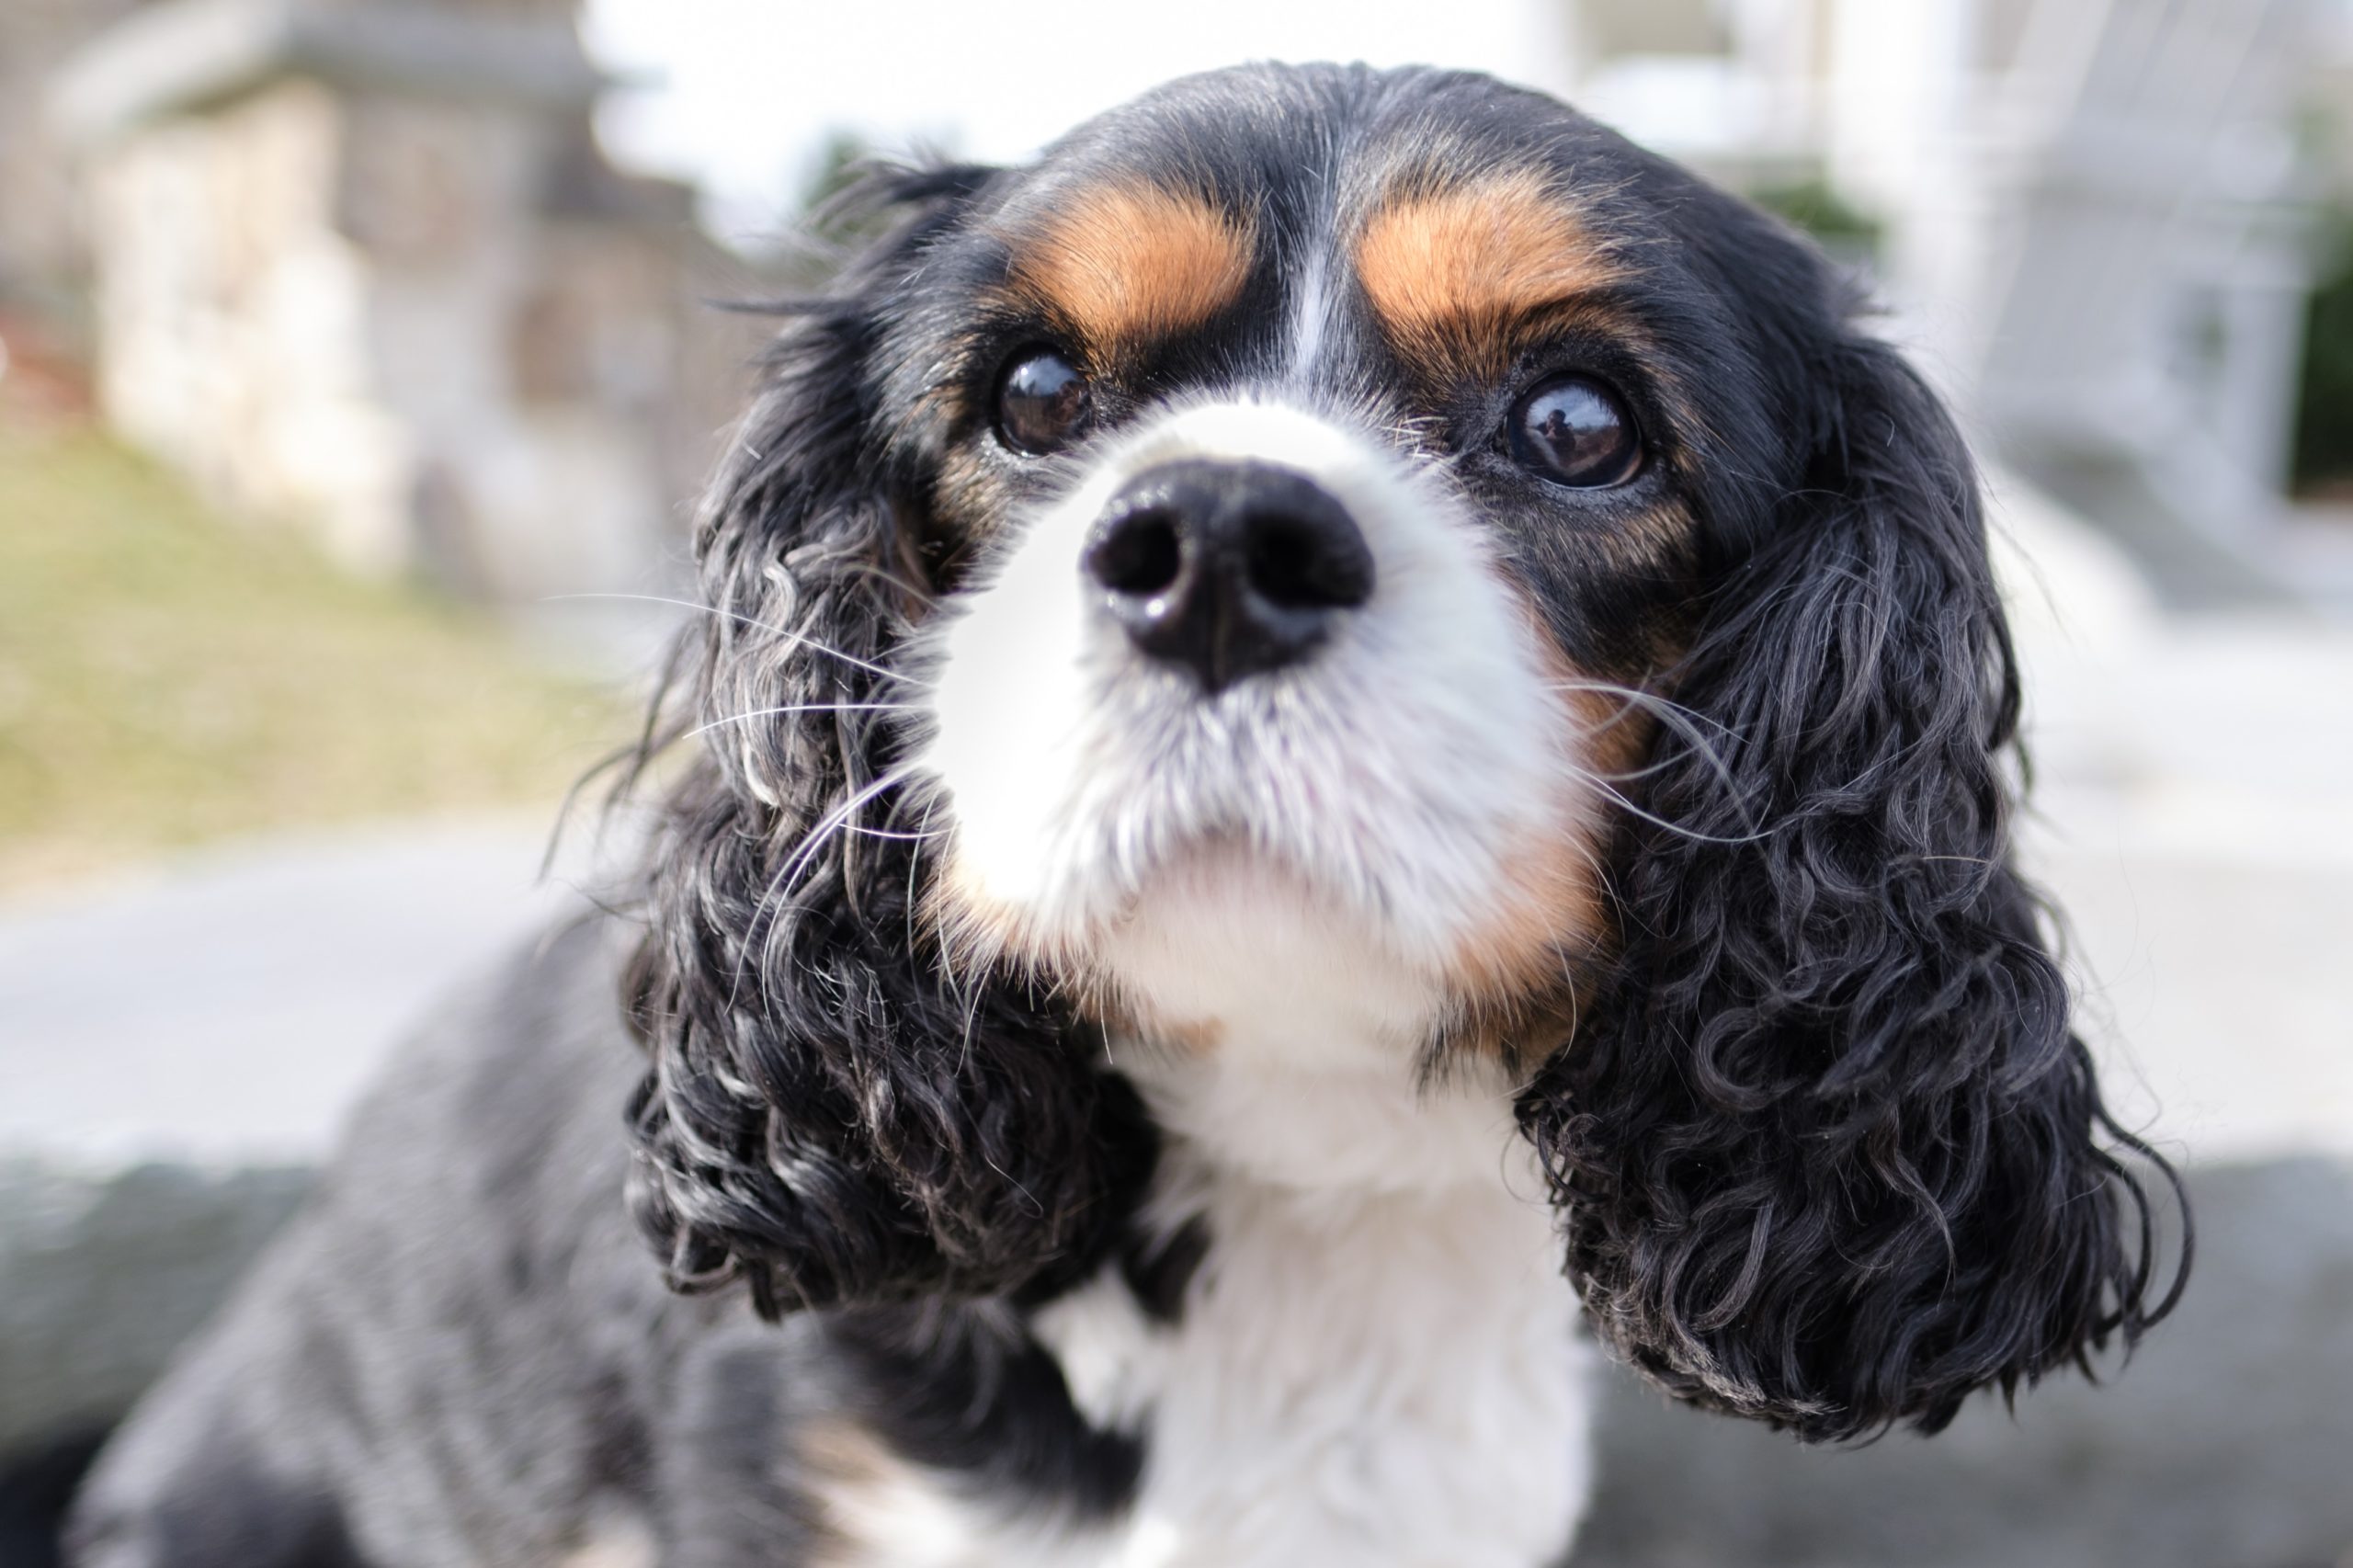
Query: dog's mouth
[
  {"x": 1334, "y": 913},
  {"x": 1103, "y": 873},
  {"x": 1209, "y": 927}
]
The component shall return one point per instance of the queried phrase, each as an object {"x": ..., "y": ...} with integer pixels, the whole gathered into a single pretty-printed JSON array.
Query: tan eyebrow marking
[
  {"x": 1129, "y": 263},
  {"x": 1450, "y": 271}
]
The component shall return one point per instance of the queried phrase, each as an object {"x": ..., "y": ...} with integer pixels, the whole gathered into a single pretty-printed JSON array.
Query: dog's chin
[
  {"x": 1221, "y": 937},
  {"x": 1217, "y": 937}
]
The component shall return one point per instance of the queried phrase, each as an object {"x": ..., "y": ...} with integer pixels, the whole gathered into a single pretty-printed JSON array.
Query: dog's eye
[
  {"x": 1574, "y": 431},
  {"x": 1041, "y": 402}
]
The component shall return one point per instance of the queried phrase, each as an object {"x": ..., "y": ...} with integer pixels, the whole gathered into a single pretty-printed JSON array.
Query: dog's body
[
  {"x": 1344, "y": 681},
  {"x": 459, "y": 1354}
]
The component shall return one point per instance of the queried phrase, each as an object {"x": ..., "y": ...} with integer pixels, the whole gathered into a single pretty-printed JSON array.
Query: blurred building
[
  {"x": 360, "y": 265},
  {"x": 2092, "y": 217},
  {"x": 43, "y": 248}
]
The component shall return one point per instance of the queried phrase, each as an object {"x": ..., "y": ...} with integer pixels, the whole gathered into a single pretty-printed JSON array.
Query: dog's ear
[
  {"x": 1827, "y": 1153},
  {"x": 828, "y": 1113}
]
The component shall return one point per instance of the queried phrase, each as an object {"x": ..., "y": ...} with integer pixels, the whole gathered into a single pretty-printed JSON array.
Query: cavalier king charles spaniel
[{"x": 1349, "y": 738}]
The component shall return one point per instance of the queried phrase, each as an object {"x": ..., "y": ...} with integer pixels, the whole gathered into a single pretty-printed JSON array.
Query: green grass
[
  {"x": 169, "y": 676},
  {"x": 2324, "y": 440},
  {"x": 1814, "y": 205}
]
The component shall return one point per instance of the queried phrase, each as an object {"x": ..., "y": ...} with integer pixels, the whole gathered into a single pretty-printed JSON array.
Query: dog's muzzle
[{"x": 1227, "y": 570}]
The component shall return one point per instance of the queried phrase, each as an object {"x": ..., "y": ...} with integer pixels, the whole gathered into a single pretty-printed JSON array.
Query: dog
[{"x": 1351, "y": 739}]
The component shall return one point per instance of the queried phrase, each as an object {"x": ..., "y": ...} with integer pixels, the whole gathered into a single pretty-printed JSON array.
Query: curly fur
[
  {"x": 830, "y": 1113},
  {"x": 1826, "y": 1154}
]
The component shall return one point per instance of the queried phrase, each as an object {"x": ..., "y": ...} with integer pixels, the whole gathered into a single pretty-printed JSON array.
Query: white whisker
[
  {"x": 803, "y": 707},
  {"x": 1639, "y": 698},
  {"x": 1685, "y": 721},
  {"x": 1696, "y": 836},
  {"x": 784, "y": 883},
  {"x": 797, "y": 638},
  {"x": 915, "y": 859}
]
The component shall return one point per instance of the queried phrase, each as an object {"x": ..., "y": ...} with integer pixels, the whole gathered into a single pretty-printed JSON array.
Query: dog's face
[
  {"x": 1323, "y": 480},
  {"x": 1376, "y": 551},
  {"x": 1306, "y": 515}
]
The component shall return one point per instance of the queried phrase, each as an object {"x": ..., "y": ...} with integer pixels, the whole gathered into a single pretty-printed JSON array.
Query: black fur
[
  {"x": 829, "y": 1114},
  {"x": 951, "y": 1389},
  {"x": 1159, "y": 1270},
  {"x": 1827, "y": 1154}
]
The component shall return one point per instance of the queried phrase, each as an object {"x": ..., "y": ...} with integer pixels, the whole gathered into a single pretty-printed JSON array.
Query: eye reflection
[
  {"x": 1577, "y": 432},
  {"x": 1043, "y": 402}
]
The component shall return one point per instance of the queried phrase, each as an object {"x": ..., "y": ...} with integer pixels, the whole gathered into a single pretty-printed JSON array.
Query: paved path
[
  {"x": 224, "y": 1009},
  {"x": 2193, "y": 816}
]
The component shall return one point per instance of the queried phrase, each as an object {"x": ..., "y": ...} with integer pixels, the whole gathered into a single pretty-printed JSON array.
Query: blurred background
[{"x": 358, "y": 366}]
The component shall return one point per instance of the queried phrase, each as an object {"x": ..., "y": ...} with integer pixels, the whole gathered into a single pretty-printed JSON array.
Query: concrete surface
[
  {"x": 103, "y": 1273},
  {"x": 225, "y": 1009},
  {"x": 2192, "y": 817},
  {"x": 176, "y": 1050}
]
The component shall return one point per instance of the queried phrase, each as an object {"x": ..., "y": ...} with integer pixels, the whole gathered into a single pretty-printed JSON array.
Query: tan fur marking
[
  {"x": 1189, "y": 1036},
  {"x": 617, "y": 1542},
  {"x": 1450, "y": 272},
  {"x": 860, "y": 1481},
  {"x": 1551, "y": 904},
  {"x": 1127, "y": 264},
  {"x": 841, "y": 1450}
]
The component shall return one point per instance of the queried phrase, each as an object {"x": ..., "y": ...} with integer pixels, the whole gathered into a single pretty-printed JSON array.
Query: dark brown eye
[
  {"x": 1041, "y": 402},
  {"x": 1574, "y": 431}
]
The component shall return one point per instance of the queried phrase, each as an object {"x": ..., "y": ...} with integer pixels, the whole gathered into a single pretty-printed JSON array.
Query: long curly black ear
[
  {"x": 828, "y": 1112},
  {"x": 1829, "y": 1154}
]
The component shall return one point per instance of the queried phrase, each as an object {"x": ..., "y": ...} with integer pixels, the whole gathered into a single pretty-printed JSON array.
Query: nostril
[
  {"x": 1226, "y": 569},
  {"x": 1305, "y": 563},
  {"x": 1141, "y": 555}
]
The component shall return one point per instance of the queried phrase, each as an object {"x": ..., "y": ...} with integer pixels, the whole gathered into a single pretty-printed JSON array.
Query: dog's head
[{"x": 1375, "y": 549}]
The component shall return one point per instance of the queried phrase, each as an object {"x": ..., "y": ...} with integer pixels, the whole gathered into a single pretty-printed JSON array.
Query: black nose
[{"x": 1228, "y": 569}]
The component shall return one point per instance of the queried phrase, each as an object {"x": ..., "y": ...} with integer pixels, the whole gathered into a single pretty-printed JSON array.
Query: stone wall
[
  {"x": 361, "y": 268},
  {"x": 44, "y": 252},
  {"x": 234, "y": 317}
]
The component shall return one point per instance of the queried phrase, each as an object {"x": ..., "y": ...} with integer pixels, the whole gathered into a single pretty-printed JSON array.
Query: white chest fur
[
  {"x": 1386, "y": 1380},
  {"x": 1376, "y": 1373}
]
